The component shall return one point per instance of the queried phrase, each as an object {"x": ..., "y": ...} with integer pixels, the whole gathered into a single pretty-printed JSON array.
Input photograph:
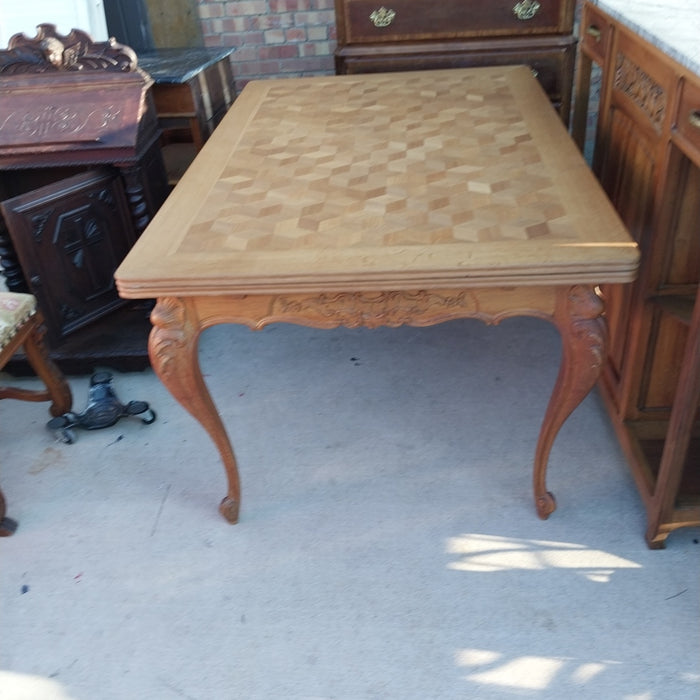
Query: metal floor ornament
[{"x": 102, "y": 411}]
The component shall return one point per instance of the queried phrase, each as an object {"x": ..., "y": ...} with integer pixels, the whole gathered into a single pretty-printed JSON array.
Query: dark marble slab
[{"x": 179, "y": 65}]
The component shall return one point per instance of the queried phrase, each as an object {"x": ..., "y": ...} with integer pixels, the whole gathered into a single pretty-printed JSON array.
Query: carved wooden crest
[{"x": 49, "y": 51}]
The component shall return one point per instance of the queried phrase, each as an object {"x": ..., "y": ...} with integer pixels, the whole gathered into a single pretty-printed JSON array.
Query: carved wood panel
[
  {"x": 70, "y": 237},
  {"x": 641, "y": 88},
  {"x": 676, "y": 251},
  {"x": 50, "y": 51},
  {"x": 627, "y": 174}
]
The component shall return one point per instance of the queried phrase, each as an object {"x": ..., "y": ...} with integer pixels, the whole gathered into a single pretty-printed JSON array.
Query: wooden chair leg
[
  {"x": 38, "y": 357},
  {"x": 7, "y": 525},
  {"x": 31, "y": 338}
]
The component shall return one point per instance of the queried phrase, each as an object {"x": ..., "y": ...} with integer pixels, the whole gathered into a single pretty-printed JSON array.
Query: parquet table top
[{"x": 383, "y": 181}]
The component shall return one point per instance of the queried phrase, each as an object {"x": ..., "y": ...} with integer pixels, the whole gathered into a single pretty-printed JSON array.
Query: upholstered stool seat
[
  {"x": 21, "y": 327},
  {"x": 15, "y": 309}
]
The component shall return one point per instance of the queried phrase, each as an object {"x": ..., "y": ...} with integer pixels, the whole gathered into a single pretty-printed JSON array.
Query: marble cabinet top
[
  {"x": 179, "y": 65},
  {"x": 671, "y": 25}
]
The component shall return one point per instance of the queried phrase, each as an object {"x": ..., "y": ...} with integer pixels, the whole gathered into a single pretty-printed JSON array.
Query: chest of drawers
[{"x": 423, "y": 34}]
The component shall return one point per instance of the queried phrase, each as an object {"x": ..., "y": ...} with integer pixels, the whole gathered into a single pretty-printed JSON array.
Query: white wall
[{"x": 24, "y": 16}]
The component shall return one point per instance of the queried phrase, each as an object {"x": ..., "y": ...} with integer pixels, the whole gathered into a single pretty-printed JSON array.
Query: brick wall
[{"x": 272, "y": 38}]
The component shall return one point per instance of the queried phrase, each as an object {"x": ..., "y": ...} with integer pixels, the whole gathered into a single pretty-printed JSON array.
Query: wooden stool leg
[
  {"x": 30, "y": 336},
  {"x": 38, "y": 357}
]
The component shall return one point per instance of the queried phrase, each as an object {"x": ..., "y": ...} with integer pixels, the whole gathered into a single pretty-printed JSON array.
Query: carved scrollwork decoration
[
  {"x": 588, "y": 325},
  {"x": 136, "y": 197},
  {"x": 39, "y": 222},
  {"x": 168, "y": 334},
  {"x": 374, "y": 309},
  {"x": 59, "y": 122},
  {"x": 579, "y": 317},
  {"x": 51, "y": 51},
  {"x": 105, "y": 196},
  {"x": 641, "y": 88}
]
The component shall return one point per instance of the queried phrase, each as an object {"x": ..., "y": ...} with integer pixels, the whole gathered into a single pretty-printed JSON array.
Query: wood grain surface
[{"x": 385, "y": 181}]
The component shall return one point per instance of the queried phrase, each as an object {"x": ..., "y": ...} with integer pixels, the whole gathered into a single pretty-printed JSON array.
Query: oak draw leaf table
[{"x": 381, "y": 200}]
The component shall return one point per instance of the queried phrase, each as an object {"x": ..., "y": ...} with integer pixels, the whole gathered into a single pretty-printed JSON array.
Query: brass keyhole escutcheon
[
  {"x": 382, "y": 17},
  {"x": 526, "y": 9}
]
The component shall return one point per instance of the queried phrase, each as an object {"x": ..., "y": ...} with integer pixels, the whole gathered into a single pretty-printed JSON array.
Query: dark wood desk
[{"x": 386, "y": 199}]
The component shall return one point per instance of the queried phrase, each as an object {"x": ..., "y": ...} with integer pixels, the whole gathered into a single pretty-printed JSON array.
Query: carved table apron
[{"x": 383, "y": 200}]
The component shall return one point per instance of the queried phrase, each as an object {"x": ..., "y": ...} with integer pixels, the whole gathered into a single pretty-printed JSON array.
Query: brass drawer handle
[
  {"x": 594, "y": 32},
  {"x": 526, "y": 9},
  {"x": 382, "y": 17},
  {"x": 694, "y": 118}
]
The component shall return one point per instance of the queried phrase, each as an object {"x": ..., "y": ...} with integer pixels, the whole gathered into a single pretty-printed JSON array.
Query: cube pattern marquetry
[{"x": 447, "y": 158}]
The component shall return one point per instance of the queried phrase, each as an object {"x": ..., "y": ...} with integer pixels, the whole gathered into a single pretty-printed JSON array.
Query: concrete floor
[{"x": 387, "y": 548}]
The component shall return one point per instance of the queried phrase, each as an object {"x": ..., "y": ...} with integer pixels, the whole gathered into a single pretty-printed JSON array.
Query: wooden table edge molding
[
  {"x": 563, "y": 294},
  {"x": 138, "y": 278}
]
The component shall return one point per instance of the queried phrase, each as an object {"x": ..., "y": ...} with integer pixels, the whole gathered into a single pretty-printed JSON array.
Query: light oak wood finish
[
  {"x": 647, "y": 157},
  {"x": 384, "y": 199}
]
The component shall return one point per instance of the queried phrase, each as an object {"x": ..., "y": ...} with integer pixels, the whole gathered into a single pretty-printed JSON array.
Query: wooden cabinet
[
  {"x": 421, "y": 34},
  {"x": 81, "y": 175},
  {"x": 647, "y": 157},
  {"x": 75, "y": 229},
  {"x": 192, "y": 90}
]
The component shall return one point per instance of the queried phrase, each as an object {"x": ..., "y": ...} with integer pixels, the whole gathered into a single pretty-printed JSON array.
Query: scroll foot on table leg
[
  {"x": 229, "y": 508},
  {"x": 578, "y": 316},
  {"x": 172, "y": 348},
  {"x": 546, "y": 505}
]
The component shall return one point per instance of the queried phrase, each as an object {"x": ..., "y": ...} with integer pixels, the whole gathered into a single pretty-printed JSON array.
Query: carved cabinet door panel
[
  {"x": 628, "y": 172},
  {"x": 629, "y": 162},
  {"x": 70, "y": 237}
]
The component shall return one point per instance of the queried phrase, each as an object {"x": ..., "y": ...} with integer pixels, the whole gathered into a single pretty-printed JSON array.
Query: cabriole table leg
[
  {"x": 173, "y": 349},
  {"x": 578, "y": 316}
]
